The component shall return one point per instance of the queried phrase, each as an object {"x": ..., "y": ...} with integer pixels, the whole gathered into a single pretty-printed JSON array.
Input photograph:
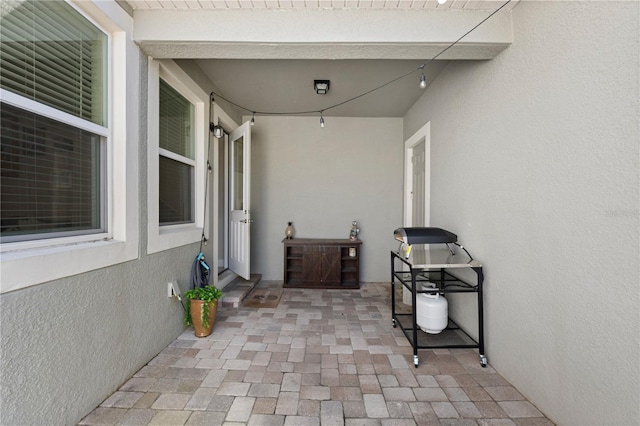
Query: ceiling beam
[{"x": 320, "y": 34}]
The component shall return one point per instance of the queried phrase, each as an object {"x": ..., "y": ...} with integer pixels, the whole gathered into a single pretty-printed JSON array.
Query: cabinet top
[{"x": 321, "y": 241}]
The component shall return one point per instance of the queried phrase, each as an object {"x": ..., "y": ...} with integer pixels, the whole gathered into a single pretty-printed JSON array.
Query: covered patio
[{"x": 327, "y": 357}]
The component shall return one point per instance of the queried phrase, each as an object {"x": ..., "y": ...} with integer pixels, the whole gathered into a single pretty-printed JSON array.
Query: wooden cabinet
[{"x": 322, "y": 263}]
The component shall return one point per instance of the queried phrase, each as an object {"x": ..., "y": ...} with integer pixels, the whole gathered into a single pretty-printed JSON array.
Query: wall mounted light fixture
[
  {"x": 321, "y": 86},
  {"x": 217, "y": 131}
]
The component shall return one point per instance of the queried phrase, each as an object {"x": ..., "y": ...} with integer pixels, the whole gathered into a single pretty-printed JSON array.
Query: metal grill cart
[{"x": 419, "y": 261}]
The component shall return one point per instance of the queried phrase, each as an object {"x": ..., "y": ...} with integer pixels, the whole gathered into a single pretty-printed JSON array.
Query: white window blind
[
  {"x": 52, "y": 172},
  {"x": 177, "y": 157},
  {"x": 51, "y": 54},
  {"x": 50, "y": 176}
]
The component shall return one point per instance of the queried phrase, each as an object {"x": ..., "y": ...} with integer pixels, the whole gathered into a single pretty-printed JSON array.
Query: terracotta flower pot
[{"x": 196, "y": 307}]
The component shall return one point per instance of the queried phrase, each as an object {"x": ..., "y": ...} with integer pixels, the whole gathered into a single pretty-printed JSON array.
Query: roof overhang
[{"x": 321, "y": 34}]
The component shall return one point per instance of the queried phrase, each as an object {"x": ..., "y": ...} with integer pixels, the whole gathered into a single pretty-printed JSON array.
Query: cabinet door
[
  {"x": 311, "y": 267},
  {"x": 330, "y": 266}
]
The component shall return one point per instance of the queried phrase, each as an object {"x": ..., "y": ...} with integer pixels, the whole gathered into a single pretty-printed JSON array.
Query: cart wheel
[
  {"x": 415, "y": 361},
  {"x": 483, "y": 361},
  {"x": 393, "y": 323}
]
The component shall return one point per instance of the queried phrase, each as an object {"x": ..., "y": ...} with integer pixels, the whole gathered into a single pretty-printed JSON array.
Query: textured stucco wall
[
  {"x": 66, "y": 345},
  {"x": 322, "y": 179},
  {"x": 535, "y": 166}
]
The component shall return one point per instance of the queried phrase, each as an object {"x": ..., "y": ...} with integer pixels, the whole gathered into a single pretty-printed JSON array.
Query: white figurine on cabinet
[{"x": 353, "y": 235}]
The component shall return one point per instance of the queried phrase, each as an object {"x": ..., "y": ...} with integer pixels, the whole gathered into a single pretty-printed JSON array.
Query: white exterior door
[
  {"x": 417, "y": 182},
  {"x": 418, "y": 187},
  {"x": 240, "y": 214}
]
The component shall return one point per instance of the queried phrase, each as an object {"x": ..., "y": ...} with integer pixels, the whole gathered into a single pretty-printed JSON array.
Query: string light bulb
[
  {"x": 321, "y": 120},
  {"x": 442, "y": 1},
  {"x": 253, "y": 119},
  {"x": 423, "y": 79}
]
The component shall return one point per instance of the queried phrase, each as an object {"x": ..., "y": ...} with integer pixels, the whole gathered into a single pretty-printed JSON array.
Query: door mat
[{"x": 263, "y": 298}]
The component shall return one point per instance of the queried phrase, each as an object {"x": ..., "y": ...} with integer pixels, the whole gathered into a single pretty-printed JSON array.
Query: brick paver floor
[{"x": 322, "y": 357}]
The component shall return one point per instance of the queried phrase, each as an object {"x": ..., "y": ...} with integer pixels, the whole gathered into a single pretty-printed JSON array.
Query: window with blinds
[
  {"x": 53, "y": 55},
  {"x": 52, "y": 174},
  {"x": 177, "y": 157}
]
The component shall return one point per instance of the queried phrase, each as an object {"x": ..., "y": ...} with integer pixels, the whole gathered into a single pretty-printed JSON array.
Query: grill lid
[{"x": 427, "y": 235}]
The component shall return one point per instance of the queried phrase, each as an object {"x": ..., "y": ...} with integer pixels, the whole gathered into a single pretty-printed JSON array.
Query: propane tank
[{"x": 432, "y": 313}]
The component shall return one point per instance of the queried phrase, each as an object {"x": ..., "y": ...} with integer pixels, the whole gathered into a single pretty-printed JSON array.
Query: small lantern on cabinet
[{"x": 289, "y": 231}]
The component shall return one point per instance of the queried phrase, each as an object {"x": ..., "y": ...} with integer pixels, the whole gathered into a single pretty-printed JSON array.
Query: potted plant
[{"x": 201, "y": 309}]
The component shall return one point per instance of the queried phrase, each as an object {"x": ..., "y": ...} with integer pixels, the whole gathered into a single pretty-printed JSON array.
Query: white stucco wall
[
  {"x": 535, "y": 166},
  {"x": 322, "y": 179}
]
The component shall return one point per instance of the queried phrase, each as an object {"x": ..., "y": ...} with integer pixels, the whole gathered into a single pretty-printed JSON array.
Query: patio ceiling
[{"x": 265, "y": 54}]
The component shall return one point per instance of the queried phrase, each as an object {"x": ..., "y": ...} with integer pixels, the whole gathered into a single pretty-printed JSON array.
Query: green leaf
[{"x": 208, "y": 294}]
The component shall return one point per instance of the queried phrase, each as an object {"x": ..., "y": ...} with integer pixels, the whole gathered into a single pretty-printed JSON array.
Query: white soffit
[
  {"x": 489, "y": 5},
  {"x": 312, "y": 33}
]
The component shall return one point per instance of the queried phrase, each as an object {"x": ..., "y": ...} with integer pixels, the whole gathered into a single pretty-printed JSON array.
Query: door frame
[
  {"x": 424, "y": 133},
  {"x": 221, "y": 118}
]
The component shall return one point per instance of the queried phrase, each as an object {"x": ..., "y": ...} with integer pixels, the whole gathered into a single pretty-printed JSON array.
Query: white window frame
[
  {"x": 27, "y": 263},
  {"x": 166, "y": 237}
]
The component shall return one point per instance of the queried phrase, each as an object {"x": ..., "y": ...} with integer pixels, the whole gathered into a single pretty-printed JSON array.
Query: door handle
[{"x": 247, "y": 221}]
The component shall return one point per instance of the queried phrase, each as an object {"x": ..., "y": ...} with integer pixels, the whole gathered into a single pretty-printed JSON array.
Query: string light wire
[{"x": 321, "y": 111}]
